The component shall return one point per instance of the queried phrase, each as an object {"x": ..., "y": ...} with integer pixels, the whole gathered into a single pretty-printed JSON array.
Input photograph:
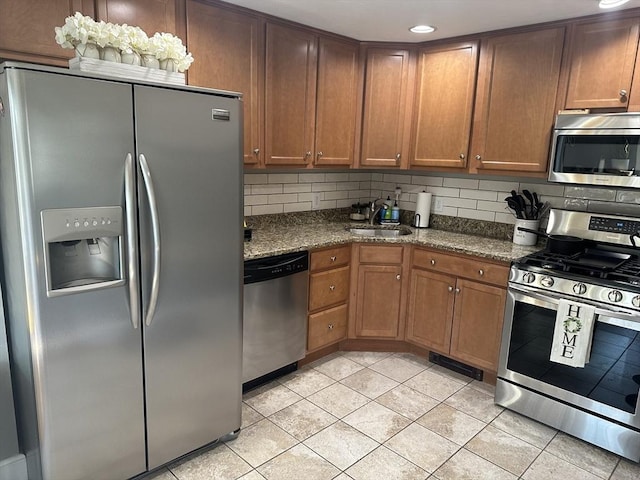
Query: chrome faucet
[{"x": 374, "y": 210}]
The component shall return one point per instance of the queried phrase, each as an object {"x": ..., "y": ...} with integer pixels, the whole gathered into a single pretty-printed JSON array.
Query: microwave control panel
[{"x": 614, "y": 225}]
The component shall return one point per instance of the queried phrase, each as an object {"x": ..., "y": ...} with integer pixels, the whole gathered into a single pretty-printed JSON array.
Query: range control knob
[
  {"x": 579, "y": 288},
  {"x": 546, "y": 282},
  {"x": 615, "y": 296},
  {"x": 635, "y": 301},
  {"x": 528, "y": 277}
]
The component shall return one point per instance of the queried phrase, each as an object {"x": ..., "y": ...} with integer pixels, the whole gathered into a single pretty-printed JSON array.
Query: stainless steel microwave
[{"x": 596, "y": 149}]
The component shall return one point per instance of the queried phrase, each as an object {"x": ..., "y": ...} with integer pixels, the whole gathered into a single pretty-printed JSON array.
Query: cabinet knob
[
  {"x": 319, "y": 154},
  {"x": 332, "y": 258},
  {"x": 330, "y": 326},
  {"x": 481, "y": 272},
  {"x": 398, "y": 277},
  {"x": 256, "y": 151},
  {"x": 462, "y": 156},
  {"x": 307, "y": 156},
  {"x": 433, "y": 262},
  {"x": 623, "y": 93},
  {"x": 398, "y": 156},
  {"x": 457, "y": 290},
  {"x": 332, "y": 287},
  {"x": 478, "y": 157},
  {"x": 450, "y": 288}
]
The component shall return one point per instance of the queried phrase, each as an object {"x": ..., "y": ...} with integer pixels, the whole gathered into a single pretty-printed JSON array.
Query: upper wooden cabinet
[
  {"x": 228, "y": 48},
  {"x": 515, "y": 101},
  {"x": 387, "y": 112},
  {"x": 27, "y": 29},
  {"x": 310, "y": 98},
  {"x": 601, "y": 63},
  {"x": 150, "y": 15},
  {"x": 444, "y": 105}
]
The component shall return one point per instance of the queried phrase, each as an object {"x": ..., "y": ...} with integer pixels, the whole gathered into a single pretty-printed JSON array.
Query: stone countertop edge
[{"x": 272, "y": 240}]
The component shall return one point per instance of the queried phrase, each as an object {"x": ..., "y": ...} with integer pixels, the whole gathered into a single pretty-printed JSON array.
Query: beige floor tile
[
  {"x": 369, "y": 383},
  {"x": 261, "y": 442},
  {"x": 451, "y": 424},
  {"x": 306, "y": 381},
  {"x": 550, "y": 467},
  {"x": 343, "y": 476},
  {"x": 445, "y": 372},
  {"x": 302, "y": 419},
  {"x": 434, "y": 385},
  {"x": 253, "y": 475},
  {"x": 272, "y": 400},
  {"x": 163, "y": 474},
  {"x": 475, "y": 403},
  {"x": 219, "y": 463},
  {"x": 407, "y": 401},
  {"x": 586, "y": 456},
  {"x": 339, "y": 368},
  {"x": 366, "y": 358},
  {"x": 626, "y": 470},
  {"x": 339, "y": 400},
  {"x": 397, "y": 368},
  {"x": 415, "y": 359},
  {"x": 382, "y": 463},
  {"x": 325, "y": 359},
  {"x": 421, "y": 446},
  {"x": 249, "y": 416},
  {"x": 483, "y": 387},
  {"x": 299, "y": 462},
  {"x": 377, "y": 421},
  {"x": 341, "y": 444},
  {"x": 524, "y": 428},
  {"x": 465, "y": 465},
  {"x": 504, "y": 450}
]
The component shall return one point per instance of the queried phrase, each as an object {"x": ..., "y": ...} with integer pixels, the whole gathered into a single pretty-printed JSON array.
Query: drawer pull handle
[
  {"x": 330, "y": 326},
  {"x": 332, "y": 287},
  {"x": 333, "y": 258},
  {"x": 481, "y": 272},
  {"x": 450, "y": 288},
  {"x": 398, "y": 277},
  {"x": 433, "y": 262}
]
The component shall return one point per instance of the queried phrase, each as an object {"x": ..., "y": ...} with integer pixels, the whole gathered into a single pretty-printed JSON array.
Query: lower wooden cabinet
[
  {"x": 453, "y": 315},
  {"x": 328, "y": 296},
  {"x": 377, "y": 295}
]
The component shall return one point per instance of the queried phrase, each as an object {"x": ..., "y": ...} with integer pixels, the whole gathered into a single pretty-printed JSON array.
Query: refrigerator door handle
[
  {"x": 131, "y": 239},
  {"x": 155, "y": 228}
]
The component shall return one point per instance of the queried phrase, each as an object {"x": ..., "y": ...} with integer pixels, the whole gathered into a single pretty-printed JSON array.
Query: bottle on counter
[{"x": 395, "y": 212}]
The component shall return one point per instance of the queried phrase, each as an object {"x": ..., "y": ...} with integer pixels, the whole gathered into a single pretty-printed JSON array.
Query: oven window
[
  {"x": 602, "y": 154},
  {"x": 612, "y": 375}
]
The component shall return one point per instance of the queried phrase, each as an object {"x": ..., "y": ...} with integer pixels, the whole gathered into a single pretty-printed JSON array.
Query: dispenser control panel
[{"x": 78, "y": 223}]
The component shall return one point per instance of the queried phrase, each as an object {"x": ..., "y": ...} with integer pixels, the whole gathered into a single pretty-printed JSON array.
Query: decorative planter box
[{"x": 123, "y": 70}]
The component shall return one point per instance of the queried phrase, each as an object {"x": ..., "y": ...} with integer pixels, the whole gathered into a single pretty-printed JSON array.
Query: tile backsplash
[{"x": 465, "y": 196}]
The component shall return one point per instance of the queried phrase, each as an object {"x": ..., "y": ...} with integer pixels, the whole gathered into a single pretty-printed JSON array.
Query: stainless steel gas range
[{"x": 596, "y": 401}]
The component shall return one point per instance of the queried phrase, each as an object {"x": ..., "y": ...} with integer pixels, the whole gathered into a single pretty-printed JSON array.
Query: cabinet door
[
  {"x": 378, "y": 301},
  {"x": 445, "y": 92},
  {"x": 27, "y": 29},
  {"x": 290, "y": 96},
  {"x": 477, "y": 324},
  {"x": 515, "y": 102},
  {"x": 150, "y": 15},
  {"x": 601, "y": 65},
  {"x": 431, "y": 297},
  {"x": 227, "y": 47},
  {"x": 385, "y": 107},
  {"x": 336, "y": 102}
]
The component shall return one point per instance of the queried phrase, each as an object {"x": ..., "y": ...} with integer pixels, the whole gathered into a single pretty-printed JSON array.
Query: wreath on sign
[{"x": 572, "y": 325}]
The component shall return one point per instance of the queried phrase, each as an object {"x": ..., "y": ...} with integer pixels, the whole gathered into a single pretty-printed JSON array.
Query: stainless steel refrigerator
[{"x": 122, "y": 248}]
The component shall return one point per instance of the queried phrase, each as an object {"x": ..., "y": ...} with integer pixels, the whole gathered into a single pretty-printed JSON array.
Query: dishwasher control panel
[{"x": 263, "y": 269}]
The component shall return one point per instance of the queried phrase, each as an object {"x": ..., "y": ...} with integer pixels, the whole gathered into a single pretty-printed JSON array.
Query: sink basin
[{"x": 379, "y": 231}]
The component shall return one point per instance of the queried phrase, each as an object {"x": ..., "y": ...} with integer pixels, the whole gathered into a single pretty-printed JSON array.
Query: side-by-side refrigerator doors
[
  {"x": 78, "y": 359},
  {"x": 190, "y": 199}
]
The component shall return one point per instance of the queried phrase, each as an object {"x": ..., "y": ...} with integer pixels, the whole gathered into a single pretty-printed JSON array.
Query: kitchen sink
[{"x": 379, "y": 231}]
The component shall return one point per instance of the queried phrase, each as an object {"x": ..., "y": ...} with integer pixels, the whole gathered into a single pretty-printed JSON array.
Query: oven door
[{"x": 608, "y": 385}]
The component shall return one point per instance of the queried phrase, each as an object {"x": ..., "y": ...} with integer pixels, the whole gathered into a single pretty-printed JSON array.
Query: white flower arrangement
[{"x": 80, "y": 29}]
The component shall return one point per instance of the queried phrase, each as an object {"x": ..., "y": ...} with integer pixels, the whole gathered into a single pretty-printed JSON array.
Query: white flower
[
  {"x": 132, "y": 39},
  {"x": 167, "y": 46}
]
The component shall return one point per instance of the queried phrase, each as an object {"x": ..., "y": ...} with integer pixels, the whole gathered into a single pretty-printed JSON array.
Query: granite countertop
[{"x": 276, "y": 239}]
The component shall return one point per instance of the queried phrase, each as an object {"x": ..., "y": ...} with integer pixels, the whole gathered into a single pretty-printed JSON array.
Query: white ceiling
[{"x": 389, "y": 20}]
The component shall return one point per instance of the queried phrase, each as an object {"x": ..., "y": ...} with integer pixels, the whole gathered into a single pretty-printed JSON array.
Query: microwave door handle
[
  {"x": 155, "y": 232},
  {"x": 131, "y": 235}
]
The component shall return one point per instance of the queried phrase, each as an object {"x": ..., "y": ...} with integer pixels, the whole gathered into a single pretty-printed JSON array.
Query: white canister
[{"x": 525, "y": 238}]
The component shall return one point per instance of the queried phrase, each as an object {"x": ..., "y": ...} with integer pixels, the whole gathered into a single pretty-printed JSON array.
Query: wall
[{"x": 466, "y": 196}]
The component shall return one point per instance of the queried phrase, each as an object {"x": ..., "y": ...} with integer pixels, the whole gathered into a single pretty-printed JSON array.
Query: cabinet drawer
[
  {"x": 327, "y": 327},
  {"x": 461, "y": 267},
  {"x": 328, "y": 288},
  {"x": 383, "y": 254},
  {"x": 330, "y": 257}
]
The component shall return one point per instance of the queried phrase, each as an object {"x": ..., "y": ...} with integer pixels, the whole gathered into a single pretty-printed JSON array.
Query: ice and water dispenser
[{"x": 83, "y": 249}]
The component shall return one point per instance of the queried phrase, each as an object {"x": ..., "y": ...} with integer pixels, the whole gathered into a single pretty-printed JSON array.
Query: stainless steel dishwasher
[{"x": 274, "y": 331}]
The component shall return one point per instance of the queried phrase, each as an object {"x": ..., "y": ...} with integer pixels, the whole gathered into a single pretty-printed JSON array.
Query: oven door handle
[{"x": 613, "y": 316}]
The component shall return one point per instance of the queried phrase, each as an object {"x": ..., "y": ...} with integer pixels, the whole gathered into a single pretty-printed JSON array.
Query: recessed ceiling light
[
  {"x": 422, "y": 29},
  {"x": 611, "y": 3}
]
